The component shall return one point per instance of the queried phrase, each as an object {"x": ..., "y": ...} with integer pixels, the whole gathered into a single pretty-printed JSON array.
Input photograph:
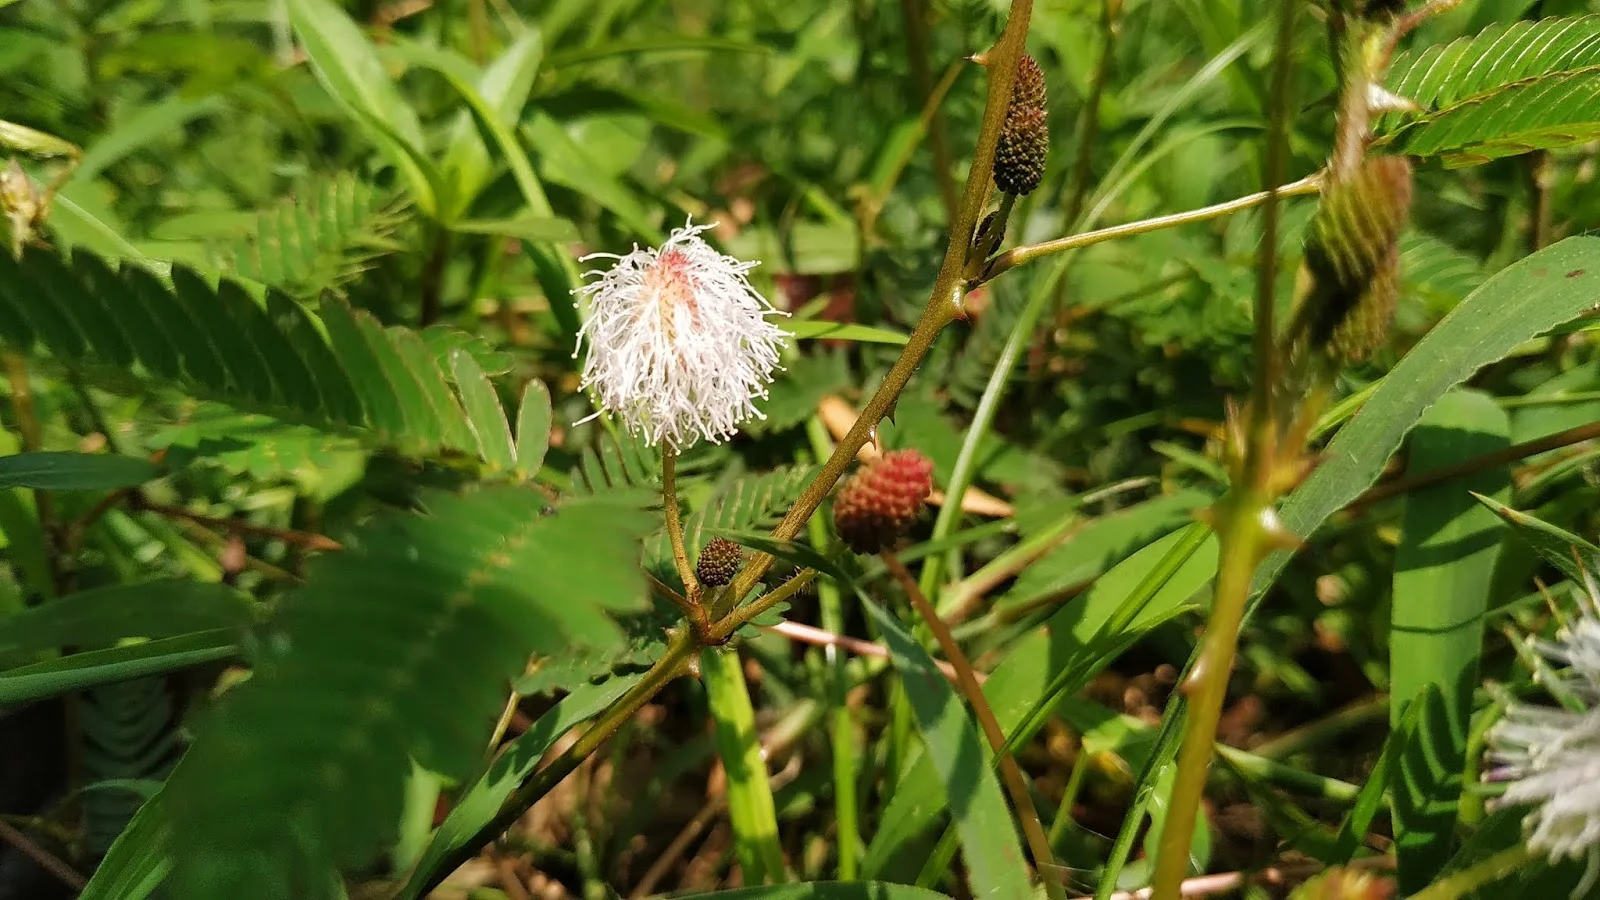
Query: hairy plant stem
[
  {"x": 1246, "y": 518},
  {"x": 681, "y": 651},
  {"x": 43, "y": 858},
  {"x": 1513, "y": 453},
  {"x": 692, "y": 604},
  {"x": 726, "y": 626},
  {"x": 1243, "y": 543},
  {"x": 1016, "y": 256},
  {"x": 1010, "y": 772},
  {"x": 944, "y": 303}
]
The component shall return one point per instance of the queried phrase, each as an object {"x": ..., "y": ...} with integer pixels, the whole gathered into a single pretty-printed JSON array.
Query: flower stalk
[{"x": 680, "y": 557}]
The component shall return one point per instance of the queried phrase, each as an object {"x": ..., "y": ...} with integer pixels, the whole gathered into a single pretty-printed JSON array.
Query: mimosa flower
[
  {"x": 1551, "y": 756},
  {"x": 680, "y": 345}
]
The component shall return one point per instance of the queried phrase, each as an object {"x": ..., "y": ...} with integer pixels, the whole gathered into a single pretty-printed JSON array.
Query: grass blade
[
  {"x": 1443, "y": 570},
  {"x": 349, "y": 67},
  {"x": 750, "y": 806},
  {"x": 982, "y": 820},
  {"x": 479, "y": 804}
]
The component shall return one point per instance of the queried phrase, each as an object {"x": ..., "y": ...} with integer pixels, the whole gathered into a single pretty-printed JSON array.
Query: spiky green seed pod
[
  {"x": 718, "y": 562},
  {"x": 1025, "y": 137},
  {"x": 1353, "y": 259},
  {"x": 1367, "y": 325}
]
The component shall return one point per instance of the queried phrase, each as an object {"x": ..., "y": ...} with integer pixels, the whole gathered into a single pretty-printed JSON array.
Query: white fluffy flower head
[
  {"x": 680, "y": 345},
  {"x": 1551, "y": 756}
]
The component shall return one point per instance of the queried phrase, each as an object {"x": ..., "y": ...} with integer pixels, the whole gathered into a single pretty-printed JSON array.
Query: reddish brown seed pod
[{"x": 881, "y": 500}]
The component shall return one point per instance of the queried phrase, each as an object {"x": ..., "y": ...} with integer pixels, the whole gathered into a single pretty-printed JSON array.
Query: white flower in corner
[
  {"x": 679, "y": 342},
  {"x": 1551, "y": 756}
]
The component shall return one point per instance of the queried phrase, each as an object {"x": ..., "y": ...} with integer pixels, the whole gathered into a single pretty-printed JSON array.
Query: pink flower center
[{"x": 673, "y": 285}]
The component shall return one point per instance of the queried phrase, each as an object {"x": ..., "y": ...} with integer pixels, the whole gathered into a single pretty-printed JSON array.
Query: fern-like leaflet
[
  {"x": 337, "y": 369},
  {"x": 400, "y": 648},
  {"x": 319, "y": 241},
  {"x": 1507, "y": 90}
]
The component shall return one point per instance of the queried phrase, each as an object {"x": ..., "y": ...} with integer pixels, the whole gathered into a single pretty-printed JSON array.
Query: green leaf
[
  {"x": 156, "y": 122},
  {"x": 970, "y": 791},
  {"x": 1569, "y": 554},
  {"x": 1354, "y": 829},
  {"x": 509, "y": 79},
  {"x": 150, "y": 609},
  {"x": 793, "y": 396},
  {"x": 661, "y": 43},
  {"x": 97, "y": 667},
  {"x": 398, "y": 649},
  {"x": 1445, "y": 75},
  {"x": 533, "y": 428},
  {"x": 262, "y": 447},
  {"x": 1516, "y": 875},
  {"x": 348, "y": 66},
  {"x": 1520, "y": 302},
  {"x": 484, "y": 414},
  {"x": 1097, "y": 546},
  {"x": 1444, "y": 567},
  {"x": 338, "y": 370},
  {"x": 563, "y": 161},
  {"x": 321, "y": 239},
  {"x": 645, "y": 640},
  {"x": 1539, "y": 114},
  {"x": 750, "y": 806},
  {"x": 25, "y": 541},
  {"x": 805, "y": 329},
  {"x": 137, "y": 861},
  {"x": 61, "y": 471},
  {"x": 741, "y": 503},
  {"x": 503, "y": 90},
  {"x": 1508, "y": 89},
  {"x": 823, "y": 890},
  {"x": 29, "y": 140},
  {"x": 520, "y": 759},
  {"x": 528, "y": 228}
]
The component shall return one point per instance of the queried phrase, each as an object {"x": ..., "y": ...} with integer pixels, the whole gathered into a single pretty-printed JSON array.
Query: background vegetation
[{"x": 289, "y": 341}]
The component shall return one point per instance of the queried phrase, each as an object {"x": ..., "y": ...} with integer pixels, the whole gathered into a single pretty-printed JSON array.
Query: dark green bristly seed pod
[
  {"x": 1025, "y": 137},
  {"x": 1353, "y": 258},
  {"x": 718, "y": 562}
]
